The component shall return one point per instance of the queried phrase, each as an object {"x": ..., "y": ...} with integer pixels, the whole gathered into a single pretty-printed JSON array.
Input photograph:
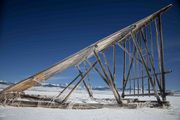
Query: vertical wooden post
[
  {"x": 161, "y": 42},
  {"x": 138, "y": 68},
  {"x": 114, "y": 62},
  {"x": 152, "y": 48},
  {"x": 142, "y": 70},
  {"x": 107, "y": 66},
  {"x": 129, "y": 47},
  {"x": 157, "y": 45},
  {"x": 145, "y": 39},
  {"x": 151, "y": 60},
  {"x": 124, "y": 69},
  {"x": 142, "y": 79},
  {"x": 134, "y": 73},
  {"x": 129, "y": 70}
]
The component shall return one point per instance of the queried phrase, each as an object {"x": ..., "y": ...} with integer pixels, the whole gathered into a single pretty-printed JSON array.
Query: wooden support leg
[
  {"x": 129, "y": 49},
  {"x": 152, "y": 49},
  {"x": 161, "y": 42},
  {"x": 142, "y": 70},
  {"x": 152, "y": 83},
  {"x": 128, "y": 74},
  {"x": 112, "y": 86},
  {"x": 150, "y": 59},
  {"x": 134, "y": 73},
  {"x": 124, "y": 70},
  {"x": 107, "y": 65},
  {"x": 114, "y": 62},
  {"x": 99, "y": 73}
]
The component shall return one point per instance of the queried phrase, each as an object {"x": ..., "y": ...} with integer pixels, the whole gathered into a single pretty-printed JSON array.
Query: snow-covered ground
[{"x": 144, "y": 113}]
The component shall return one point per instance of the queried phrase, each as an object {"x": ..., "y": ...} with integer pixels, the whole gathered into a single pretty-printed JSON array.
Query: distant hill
[
  {"x": 52, "y": 85},
  {"x": 5, "y": 82},
  {"x": 100, "y": 88}
]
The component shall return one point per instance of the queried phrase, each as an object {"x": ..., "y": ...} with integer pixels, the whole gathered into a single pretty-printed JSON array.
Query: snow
[{"x": 140, "y": 113}]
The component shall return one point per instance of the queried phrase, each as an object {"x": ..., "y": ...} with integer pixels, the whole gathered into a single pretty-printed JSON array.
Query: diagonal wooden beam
[
  {"x": 150, "y": 59},
  {"x": 77, "y": 84},
  {"x": 111, "y": 84},
  {"x": 139, "y": 51},
  {"x": 107, "y": 65},
  {"x": 99, "y": 73},
  {"x": 124, "y": 69},
  {"x": 114, "y": 62},
  {"x": 128, "y": 73},
  {"x": 161, "y": 42},
  {"x": 86, "y": 86},
  {"x": 128, "y": 53},
  {"x": 68, "y": 85}
]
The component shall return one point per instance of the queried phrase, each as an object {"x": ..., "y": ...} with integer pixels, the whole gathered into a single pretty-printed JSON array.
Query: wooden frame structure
[{"x": 143, "y": 63}]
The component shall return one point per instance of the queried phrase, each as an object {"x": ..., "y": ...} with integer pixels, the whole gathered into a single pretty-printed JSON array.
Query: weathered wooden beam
[
  {"x": 161, "y": 42},
  {"x": 129, "y": 59},
  {"x": 128, "y": 53},
  {"x": 142, "y": 70},
  {"x": 107, "y": 65},
  {"x": 143, "y": 22},
  {"x": 124, "y": 69},
  {"x": 128, "y": 73},
  {"x": 114, "y": 62},
  {"x": 134, "y": 73},
  {"x": 152, "y": 47},
  {"x": 146, "y": 76},
  {"x": 99, "y": 73},
  {"x": 111, "y": 84},
  {"x": 146, "y": 94},
  {"x": 150, "y": 59},
  {"x": 147, "y": 71}
]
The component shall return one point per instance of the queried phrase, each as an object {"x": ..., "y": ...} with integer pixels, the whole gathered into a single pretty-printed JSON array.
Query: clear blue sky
[{"x": 34, "y": 34}]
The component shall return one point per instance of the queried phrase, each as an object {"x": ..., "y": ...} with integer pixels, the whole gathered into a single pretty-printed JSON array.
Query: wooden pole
[
  {"x": 99, "y": 73},
  {"x": 114, "y": 62},
  {"x": 129, "y": 48},
  {"x": 151, "y": 61},
  {"x": 112, "y": 86},
  {"x": 107, "y": 65},
  {"x": 124, "y": 69},
  {"x": 129, "y": 70},
  {"x": 134, "y": 73},
  {"x": 161, "y": 42}
]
